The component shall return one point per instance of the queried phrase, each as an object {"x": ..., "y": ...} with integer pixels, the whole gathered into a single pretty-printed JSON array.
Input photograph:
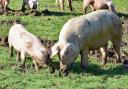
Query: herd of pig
[
  {"x": 32, "y": 4},
  {"x": 79, "y": 35}
]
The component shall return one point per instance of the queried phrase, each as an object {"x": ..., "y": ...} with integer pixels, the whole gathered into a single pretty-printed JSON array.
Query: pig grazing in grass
[
  {"x": 30, "y": 3},
  {"x": 88, "y": 32},
  {"x": 26, "y": 43},
  {"x": 98, "y": 4},
  {"x": 61, "y": 4},
  {"x": 4, "y": 5}
]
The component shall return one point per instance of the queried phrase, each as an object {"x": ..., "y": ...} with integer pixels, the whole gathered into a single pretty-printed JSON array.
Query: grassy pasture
[{"x": 111, "y": 76}]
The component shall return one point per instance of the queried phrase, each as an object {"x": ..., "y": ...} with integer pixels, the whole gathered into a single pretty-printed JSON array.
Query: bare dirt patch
[
  {"x": 45, "y": 42},
  {"x": 27, "y": 12},
  {"x": 4, "y": 41}
]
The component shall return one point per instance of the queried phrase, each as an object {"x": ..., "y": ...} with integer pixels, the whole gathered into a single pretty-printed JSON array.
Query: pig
[
  {"x": 61, "y": 2},
  {"x": 85, "y": 33},
  {"x": 32, "y": 4},
  {"x": 26, "y": 43},
  {"x": 4, "y": 4},
  {"x": 99, "y": 4}
]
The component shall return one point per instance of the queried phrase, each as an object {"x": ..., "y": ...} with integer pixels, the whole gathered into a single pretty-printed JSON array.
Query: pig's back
[{"x": 98, "y": 25}]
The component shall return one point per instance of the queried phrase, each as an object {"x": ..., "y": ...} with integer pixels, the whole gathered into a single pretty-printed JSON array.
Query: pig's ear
[{"x": 55, "y": 50}]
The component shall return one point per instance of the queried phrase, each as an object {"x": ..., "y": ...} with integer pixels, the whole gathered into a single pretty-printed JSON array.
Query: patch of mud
[
  {"x": 125, "y": 60},
  {"x": 47, "y": 43},
  {"x": 125, "y": 26},
  {"x": 124, "y": 20},
  {"x": 4, "y": 41},
  {"x": 6, "y": 22},
  {"x": 10, "y": 22},
  {"x": 110, "y": 55},
  {"x": 44, "y": 12},
  {"x": 26, "y": 12}
]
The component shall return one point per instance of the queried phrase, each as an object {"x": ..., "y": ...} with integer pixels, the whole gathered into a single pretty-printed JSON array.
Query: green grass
[{"x": 111, "y": 76}]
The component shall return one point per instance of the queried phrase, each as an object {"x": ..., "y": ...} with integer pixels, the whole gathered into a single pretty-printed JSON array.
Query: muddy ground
[{"x": 26, "y": 12}]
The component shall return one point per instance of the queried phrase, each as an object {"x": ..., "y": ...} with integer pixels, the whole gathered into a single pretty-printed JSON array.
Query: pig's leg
[
  {"x": 23, "y": 58},
  {"x": 112, "y": 8},
  {"x": 84, "y": 58},
  {"x": 70, "y": 4},
  {"x": 18, "y": 56},
  {"x": 61, "y": 4},
  {"x": 5, "y": 7},
  {"x": 85, "y": 5},
  {"x": 93, "y": 9},
  {"x": 36, "y": 65},
  {"x": 116, "y": 46},
  {"x": 10, "y": 50},
  {"x": 103, "y": 51}
]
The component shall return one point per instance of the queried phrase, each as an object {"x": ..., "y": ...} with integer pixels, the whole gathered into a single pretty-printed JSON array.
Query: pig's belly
[{"x": 97, "y": 43}]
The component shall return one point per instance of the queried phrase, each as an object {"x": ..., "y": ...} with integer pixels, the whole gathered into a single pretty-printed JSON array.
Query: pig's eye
[{"x": 66, "y": 53}]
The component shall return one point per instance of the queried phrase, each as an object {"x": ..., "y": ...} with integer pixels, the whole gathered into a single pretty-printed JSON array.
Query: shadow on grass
[
  {"x": 55, "y": 13},
  {"x": 41, "y": 13},
  {"x": 120, "y": 14},
  {"x": 97, "y": 70}
]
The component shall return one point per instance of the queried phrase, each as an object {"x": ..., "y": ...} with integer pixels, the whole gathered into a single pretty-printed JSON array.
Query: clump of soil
[
  {"x": 26, "y": 12},
  {"x": 4, "y": 41},
  {"x": 7, "y": 22},
  {"x": 10, "y": 22},
  {"x": 125, "y": 26},
  {"x": 46, "y": 42},
  {"x": 124, "y": 20}
]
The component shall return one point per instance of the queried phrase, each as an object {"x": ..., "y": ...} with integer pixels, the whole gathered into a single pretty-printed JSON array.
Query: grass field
[{"x": 110, "y": 76}]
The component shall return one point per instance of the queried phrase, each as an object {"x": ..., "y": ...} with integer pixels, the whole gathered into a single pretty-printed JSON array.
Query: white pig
[
  {"x": 88, "y": 32},
  {"x": 26, "y": 43}
]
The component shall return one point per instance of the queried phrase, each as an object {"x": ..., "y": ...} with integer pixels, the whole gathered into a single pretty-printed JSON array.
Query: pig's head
[
  {"x": 67, "y": 55},
  {"x": 33, "y": 4},
  {"x": 44, "y": 59}
]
